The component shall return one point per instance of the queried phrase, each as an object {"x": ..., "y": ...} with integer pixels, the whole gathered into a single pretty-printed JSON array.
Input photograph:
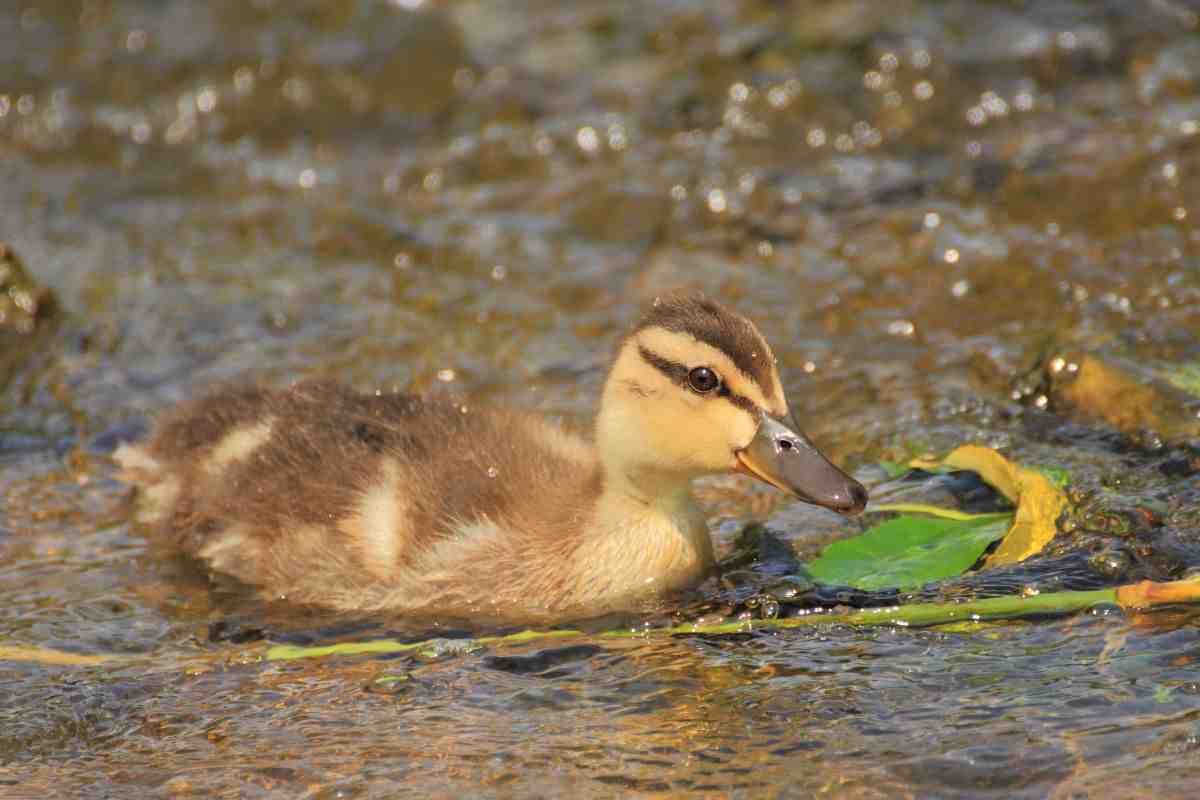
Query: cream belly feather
[{"x": 323, "y": 496}]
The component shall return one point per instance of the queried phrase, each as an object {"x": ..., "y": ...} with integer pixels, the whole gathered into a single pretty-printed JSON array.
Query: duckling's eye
[{"x": 703, "y": 380}]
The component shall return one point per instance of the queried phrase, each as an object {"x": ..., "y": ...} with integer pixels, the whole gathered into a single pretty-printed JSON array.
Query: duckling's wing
[{"x": 317, "y": 492}]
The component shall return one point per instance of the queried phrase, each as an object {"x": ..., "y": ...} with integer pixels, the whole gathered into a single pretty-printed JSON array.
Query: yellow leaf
[{"x": 1039, "y": 502}]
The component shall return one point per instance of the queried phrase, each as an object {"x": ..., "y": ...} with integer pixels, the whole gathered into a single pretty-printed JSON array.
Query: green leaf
[
  {"x": 894, "y": 469},
  {"x": 905, "y": 551}
]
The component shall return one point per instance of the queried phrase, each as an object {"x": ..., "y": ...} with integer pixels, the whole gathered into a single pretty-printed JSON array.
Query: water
[{"x": 920, "y": 208}]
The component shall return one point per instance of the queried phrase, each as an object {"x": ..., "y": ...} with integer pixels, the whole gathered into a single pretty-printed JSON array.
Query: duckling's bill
[{"x": 785, "y": 458}]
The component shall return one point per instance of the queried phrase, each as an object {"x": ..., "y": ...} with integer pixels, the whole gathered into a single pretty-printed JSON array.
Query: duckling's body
[{"x": 328, "y": 497}]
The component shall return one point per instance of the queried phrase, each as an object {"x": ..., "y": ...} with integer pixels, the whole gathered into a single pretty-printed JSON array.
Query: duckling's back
[{"x": 327, "y": 496}]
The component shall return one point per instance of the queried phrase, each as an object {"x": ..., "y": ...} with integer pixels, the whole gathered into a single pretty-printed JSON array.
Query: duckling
[{"x": 353, "y": 502}]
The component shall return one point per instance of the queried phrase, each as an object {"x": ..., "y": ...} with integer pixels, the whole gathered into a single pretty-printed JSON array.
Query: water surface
[{"x": 920, "y": 203}]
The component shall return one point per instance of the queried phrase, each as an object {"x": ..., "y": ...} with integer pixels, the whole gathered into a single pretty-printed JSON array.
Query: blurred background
[{"x": 961, "y": 221}]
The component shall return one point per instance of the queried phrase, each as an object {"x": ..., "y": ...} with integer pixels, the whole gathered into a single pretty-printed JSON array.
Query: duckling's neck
[
  {"x": 650, "y": 488},
  {"x": 647, "y": 536}
]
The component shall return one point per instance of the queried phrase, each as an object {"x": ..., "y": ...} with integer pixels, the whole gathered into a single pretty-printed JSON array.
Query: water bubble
[
  {"x": 243, "y": 80},
  {"x": 297, "y": 91},
  {"x": 499, "y": 272},
  {"x": 446, "y": 375},
  {"x": 951, "y": 255},
  {"x": 464, "y": 79},
  {"x": 492, "y": 472},
  {"x": 1111, "y": 563},
  {"x": 932, "y": 219},
  {"x": 618, "y": 139},
  {"x": 768, "y": 608},
  {"x": 864, "y": 132},
  {"x": 307, "y": 178},
  {"x": 993, "y": 104},
  {"x": 135, "y": 40},
  {"x": 923, "y": 90},
  {"x": 206, "y": 100},
  {"x": 716, "y": 201},
  {"x": 587, "y": 139}
]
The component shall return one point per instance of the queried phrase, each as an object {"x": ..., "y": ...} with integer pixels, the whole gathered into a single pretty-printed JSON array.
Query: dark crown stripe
[
  {"x": 678, "y": 373},
  {"x": 708, "y": 322}
]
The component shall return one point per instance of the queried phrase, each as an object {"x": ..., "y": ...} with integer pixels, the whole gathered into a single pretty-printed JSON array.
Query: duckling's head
[{"x": 695, "y": 390}]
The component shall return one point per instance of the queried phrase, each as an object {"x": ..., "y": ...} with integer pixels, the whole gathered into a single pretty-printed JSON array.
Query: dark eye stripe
[
  {"x": 741, "y": 401},
  {"x": 672, "y": 369},
  {"x": 678, "y": 373}
]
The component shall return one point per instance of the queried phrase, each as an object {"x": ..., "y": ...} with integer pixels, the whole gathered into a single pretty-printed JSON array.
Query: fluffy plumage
[{"x": 329, "y": 497}]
